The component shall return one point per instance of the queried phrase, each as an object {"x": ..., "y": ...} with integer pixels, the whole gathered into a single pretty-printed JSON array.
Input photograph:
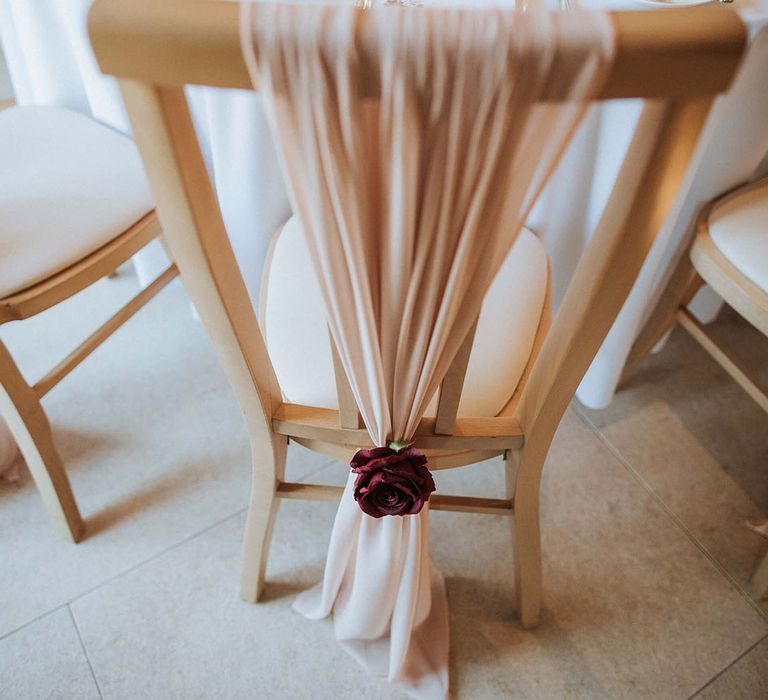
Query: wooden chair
[
  {"x": 681, "y": 58},
  {"x": 74, "y": 205},
  {"x": 729, "y": 253}
]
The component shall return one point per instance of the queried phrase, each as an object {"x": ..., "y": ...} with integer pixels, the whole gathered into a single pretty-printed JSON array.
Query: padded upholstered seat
[
  {"x": 739, "y": 228},
  {"x": 74, "y": 206},
  {"x": 293, "y": 320},
  {"x": 68, "y": 185}
]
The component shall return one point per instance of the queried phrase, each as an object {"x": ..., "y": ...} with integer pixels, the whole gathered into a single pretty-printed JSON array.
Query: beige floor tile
[
  {"x": 699, "y": 441},
  {"x": 633, "y": 608},
  {"x": 45, "y": 660},
  {"x": 747, "y": 679},
  {"x": 176, "y": 628},
  {"x": 159, "y": 461},
  {"x": 152, "y": 437}
]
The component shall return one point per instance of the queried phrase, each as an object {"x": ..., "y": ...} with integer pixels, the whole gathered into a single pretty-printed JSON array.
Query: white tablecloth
[
  {"x": 731, "y": 150},
  {"x": 50, "y": 62}
]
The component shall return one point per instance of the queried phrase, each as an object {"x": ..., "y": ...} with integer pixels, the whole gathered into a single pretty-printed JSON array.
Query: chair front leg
[
  {"x": 680, "y": 290},
  {"x": 268, "y": 471},
  {"x": 20, "y": 407}
]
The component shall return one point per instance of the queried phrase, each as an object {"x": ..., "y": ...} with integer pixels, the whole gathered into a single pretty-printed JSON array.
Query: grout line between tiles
[
  {"x": 156, "y": 555},
  {"x": 730, "y": 665},
  {"x": 85, "y": 651},
  {"x": 135, "y": 566},
  {"x": 189, "y": 538},
  {"x": 32, "y": 621},
  {"x": 673, "y": 516},
  {"x": 149, "y": 559},
  {"x": 175, "y": 545}
]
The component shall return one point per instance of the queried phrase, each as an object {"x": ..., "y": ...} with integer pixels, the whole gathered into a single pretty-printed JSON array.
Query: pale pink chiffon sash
[{"x": 414, "y": 143}]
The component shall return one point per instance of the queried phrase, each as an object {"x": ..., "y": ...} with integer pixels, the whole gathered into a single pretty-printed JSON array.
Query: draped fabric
[{"x": 414, "y": 143}]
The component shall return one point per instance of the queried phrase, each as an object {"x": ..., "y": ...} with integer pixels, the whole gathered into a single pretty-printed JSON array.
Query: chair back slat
[
  {"x": 451, "y": 387},
  {"x": 156, "y": 46},
  {"x": 349, "y": 415}
]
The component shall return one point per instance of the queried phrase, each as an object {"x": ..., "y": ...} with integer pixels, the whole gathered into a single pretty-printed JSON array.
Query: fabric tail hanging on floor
[{"x": 414, "y": 143}]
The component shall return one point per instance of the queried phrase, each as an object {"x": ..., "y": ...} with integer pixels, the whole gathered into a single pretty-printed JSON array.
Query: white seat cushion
[
  {"x": 68, "y": 185},
  {"x": 739, "y": 228},
  {"x": 293, "y": 319}
]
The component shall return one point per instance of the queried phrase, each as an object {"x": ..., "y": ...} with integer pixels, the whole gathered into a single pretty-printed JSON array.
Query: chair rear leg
[
  {"x": 268, "y": 470},
  {"x": 523, "y": 476},
  {"x": 20, "y": 407},
  {"x": 759, "y": 581}
]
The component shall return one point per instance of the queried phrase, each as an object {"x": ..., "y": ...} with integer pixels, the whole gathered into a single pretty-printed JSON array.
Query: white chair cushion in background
[
  {"x": 68, "y": 185},
  {"x": 293, "y": 320},
  {"x": 739, "y": 228}
]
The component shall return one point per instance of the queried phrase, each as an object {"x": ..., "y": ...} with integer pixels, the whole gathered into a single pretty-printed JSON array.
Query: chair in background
[
  {"x": 729, "y": 253},
  {"x": 74, "y": 205},
  {"x": 680, "y": 58}
]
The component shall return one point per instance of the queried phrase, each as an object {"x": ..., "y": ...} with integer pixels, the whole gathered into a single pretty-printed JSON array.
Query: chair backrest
[{"x": 680, "y": 59}]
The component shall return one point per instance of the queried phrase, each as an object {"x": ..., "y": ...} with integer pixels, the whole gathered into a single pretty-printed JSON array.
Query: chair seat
[
  {"x": 739, "y": 229},
  {"x": 68, "y": 185},
  {"x": 296, "y": 333}
]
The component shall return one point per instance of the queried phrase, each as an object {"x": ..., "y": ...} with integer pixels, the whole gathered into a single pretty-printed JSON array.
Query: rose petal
[
  {"x": 414, "y": 455},
  {"x": 391, "y": 482},
  {"x": 361, "y": 458}
]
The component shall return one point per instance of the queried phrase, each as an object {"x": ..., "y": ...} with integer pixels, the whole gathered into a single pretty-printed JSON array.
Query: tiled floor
[{"x": 646, "y": 558}]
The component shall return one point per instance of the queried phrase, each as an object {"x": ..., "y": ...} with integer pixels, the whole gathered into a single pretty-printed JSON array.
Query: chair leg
[
  {"x": 759, "y": 580},
  {"x": 526, "y": 534},
  {"x": 21, "y": 408},
  {"x": 262, "y": 510},
  {"x": 681, "y": 288}
]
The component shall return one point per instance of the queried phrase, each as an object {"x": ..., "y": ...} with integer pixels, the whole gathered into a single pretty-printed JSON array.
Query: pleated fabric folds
[{"x": 414, "y": 142}]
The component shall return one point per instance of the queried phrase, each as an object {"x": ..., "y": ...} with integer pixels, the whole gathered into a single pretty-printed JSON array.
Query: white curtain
[{"x": 415, "y": 143}]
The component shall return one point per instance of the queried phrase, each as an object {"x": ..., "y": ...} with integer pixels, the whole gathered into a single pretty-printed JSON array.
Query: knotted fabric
[{"x": 414, "y": 142}]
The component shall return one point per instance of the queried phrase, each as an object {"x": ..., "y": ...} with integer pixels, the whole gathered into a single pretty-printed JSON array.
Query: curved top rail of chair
[{"x": 159, "y": 41}]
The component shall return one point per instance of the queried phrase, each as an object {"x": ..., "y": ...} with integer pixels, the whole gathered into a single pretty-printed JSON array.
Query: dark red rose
[{"x": 391, "y": 482}]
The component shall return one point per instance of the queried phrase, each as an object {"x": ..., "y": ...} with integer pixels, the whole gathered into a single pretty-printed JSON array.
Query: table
[
  {"x": 732, "y": 149},
  {"x": 50, "y": 62}
]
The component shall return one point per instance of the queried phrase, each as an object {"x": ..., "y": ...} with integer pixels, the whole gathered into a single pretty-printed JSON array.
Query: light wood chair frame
[
  {"x": 680, "y": 59},
  {"x": 20, "y": 403},
  {"x": 705, "y": 263}
]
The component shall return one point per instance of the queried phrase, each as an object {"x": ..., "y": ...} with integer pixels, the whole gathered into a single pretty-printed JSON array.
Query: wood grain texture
[
  {"x": 740, "y": 292},
  {"x": 21, "y": 409},
  {"x": 656, "y": 163},
  {"x": 703, "y": 263},
  {"x": 739, "y": 373},
  {"x": 322, "y": 424},
  {"x": 438, "y": 459},
  {"x": 197, "y": 239},
  {"x": 20, "y": 403},
  {"x": 349, "y": 415},
  {"x": 157, "y": 46},
  {"x": 680, "y": 53},
  {"x": 679, "y": 290},
  {"x": 758, "y": 583},
  {"x": 457, "y": 504},
  {"x": 449, "y": 396},
  {"x": 74, "y": 358}
]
